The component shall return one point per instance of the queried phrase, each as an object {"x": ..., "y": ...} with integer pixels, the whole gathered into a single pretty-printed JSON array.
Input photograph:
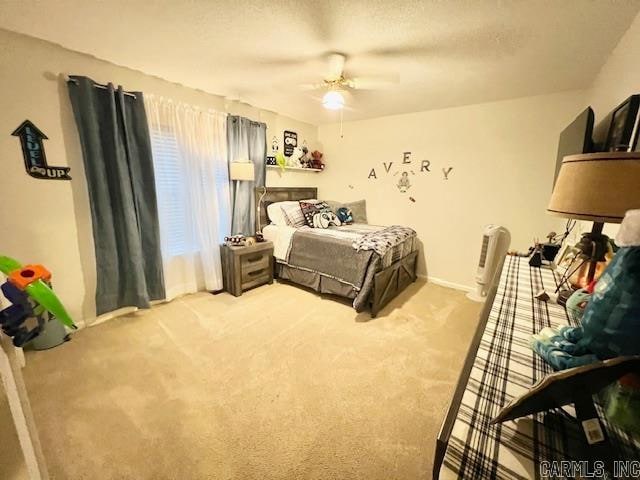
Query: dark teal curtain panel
[
  {"x": 119, "y": 169},
  {"x": 246, "y": 140}
]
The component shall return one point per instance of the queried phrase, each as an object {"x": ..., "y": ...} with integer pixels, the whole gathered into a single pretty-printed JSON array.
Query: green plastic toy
[
  {"x": 36, "y": 288},
  {"x": 281, "y": 161}
]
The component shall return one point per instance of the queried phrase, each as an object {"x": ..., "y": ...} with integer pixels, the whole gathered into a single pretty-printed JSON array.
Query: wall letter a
[{"x": 372, "y": 173}]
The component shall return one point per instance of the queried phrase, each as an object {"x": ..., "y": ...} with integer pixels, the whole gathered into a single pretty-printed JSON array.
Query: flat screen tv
[
  {"x": 618, "y": 131},
  {"x": 575, "y": 139}
]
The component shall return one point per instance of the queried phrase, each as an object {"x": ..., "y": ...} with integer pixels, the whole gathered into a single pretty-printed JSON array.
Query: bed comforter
[{"x": 342, "y": 260}]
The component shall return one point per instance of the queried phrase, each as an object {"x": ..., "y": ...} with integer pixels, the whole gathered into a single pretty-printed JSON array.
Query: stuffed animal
[
  {"x": 316, "y": 160},
  {"x": 305, "y": 159},
  {"x": 324, "y": 219},
  {"x": 344, "y": 215},
  {"x": 294, "y": 159}
]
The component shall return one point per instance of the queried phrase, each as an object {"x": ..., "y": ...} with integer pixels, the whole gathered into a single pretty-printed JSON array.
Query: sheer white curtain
[{"x": 192, "y": 182}]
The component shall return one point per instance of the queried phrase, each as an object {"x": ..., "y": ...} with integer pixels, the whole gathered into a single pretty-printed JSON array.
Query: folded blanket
[
  {"x": 560, "y": 347},
  {"x": 384, "y": 239}
]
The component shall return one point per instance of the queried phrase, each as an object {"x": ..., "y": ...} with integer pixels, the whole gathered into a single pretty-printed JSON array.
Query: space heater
[{"x": 495, "y": 243}]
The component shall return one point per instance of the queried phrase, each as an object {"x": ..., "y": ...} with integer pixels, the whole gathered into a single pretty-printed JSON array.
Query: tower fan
[{"x": 495, "y": 243}]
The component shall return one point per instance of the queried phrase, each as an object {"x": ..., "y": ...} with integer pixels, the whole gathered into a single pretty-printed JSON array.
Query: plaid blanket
[
  {"x": 505, "y": 367},
  {"x": 382, "y": 240}
]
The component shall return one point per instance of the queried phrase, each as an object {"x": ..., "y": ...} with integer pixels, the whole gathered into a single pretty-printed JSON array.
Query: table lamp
[
  {"x": 598, "y": 187},
  {"x": 241, "y": 170}
]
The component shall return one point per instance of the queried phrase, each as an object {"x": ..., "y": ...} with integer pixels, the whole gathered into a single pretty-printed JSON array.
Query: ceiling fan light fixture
[{"x": 333, "y": 100}]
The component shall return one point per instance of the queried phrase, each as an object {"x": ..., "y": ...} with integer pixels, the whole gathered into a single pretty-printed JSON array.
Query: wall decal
[
  {"x": 404, "y": 184},
  {"x": 412, "y": 199},
  {"x": 406, "y": 160},
  {"x": 275, "y": 146},
  {"x": 35, "y": 160},
  {"x": 271, "y": 160},
  {"x": 351, "y": 187},
  {"x": 447, "y": 172},
  {"x": 290, "y": 142}
]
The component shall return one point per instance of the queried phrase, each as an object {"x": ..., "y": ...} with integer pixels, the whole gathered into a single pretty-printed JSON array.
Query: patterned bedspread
[
  {"x": 390, "y": 243},
  {"x": 383, "y": 240},
  {"x": 334, "y": 253}
]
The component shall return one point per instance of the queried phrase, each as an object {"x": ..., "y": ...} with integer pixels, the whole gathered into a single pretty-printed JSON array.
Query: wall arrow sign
[{"x": 35, "y": 160}]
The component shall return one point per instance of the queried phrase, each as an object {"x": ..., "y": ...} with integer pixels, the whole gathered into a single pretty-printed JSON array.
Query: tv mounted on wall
[
  {"x": 618, "y": 131},
  {"x": 576, "y": 138}
]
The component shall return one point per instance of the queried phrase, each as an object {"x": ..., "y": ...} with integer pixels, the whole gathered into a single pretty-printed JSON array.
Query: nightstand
[{"x": 246, "y": 267}]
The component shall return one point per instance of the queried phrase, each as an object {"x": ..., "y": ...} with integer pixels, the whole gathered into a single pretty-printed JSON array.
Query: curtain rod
[{"x": 97, "y": 85}]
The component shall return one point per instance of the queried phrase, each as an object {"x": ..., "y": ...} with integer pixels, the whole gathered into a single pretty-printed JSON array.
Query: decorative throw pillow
[
  {"x": 293, "y": 214},
  {"x": 345, "y": 215},
  {"x": 276, "y": 214},
  {"x": 318, "y": 215},
  {"x": 358, "y": 209}
]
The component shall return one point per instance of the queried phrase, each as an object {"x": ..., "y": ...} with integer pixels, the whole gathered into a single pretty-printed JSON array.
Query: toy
[
  {"x": 344, "y": 215},
  {"x": 294, "y": 159},
  {"x": 235, "y": 240},
  {"x": 33, "y": 301},
  {"x": 280, "y": 160},
  {"x": 325, "y": 219},
  {"x": 316, "y": 160},
  {"x": 305, "y": 159}
]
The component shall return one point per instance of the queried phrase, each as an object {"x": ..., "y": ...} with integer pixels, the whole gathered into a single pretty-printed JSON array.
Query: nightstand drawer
[
  {"x": 256, "y": 278},
  {"x": 254, "y": 261}
]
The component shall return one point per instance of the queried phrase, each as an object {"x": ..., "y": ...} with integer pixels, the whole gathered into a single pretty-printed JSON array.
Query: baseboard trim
[{"x": 446, "y": 283}]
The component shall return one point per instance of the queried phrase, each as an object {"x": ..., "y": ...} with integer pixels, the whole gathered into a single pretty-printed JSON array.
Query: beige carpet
[{"x": 279, "y": 383}]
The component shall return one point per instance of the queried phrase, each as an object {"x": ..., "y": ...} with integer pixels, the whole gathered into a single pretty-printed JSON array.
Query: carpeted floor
[{"x": 280, "y": 383}]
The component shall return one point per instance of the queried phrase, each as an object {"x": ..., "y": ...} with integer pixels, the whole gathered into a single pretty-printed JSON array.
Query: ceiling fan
[{"x": 337, "y": 86}]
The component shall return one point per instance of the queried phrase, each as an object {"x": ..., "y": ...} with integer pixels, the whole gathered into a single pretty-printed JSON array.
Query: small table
[{"x": 246, "y": 267}]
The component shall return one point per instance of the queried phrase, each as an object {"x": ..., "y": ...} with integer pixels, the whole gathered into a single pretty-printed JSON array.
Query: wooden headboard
[{"x": 279, "y": 194}]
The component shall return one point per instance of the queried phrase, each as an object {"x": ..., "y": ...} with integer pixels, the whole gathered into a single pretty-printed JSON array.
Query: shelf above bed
[{"x": 297, "y": 169}]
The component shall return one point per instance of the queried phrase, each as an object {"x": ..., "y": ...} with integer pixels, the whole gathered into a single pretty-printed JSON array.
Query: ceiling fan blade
[
  {"x": 335, "y": 66},
  {"x": 373, "y": 83}
]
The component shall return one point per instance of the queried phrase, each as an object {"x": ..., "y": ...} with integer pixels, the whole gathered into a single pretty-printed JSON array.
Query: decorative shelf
[{"x": 298, "y": 169}]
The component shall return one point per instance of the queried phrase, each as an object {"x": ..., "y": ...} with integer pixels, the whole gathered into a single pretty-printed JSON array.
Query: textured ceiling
[{"x": 444, "y": 53}]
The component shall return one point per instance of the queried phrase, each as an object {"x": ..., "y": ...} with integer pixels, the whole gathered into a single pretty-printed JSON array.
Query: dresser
[
  {"x": 500, "y": 366},
  {"x": 246, "y": 267}
]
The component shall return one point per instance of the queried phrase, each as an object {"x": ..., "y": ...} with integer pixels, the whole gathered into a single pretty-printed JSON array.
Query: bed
[{"x": 326, "y": 260}]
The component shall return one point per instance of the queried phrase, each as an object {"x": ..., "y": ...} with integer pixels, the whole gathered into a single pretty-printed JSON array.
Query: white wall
[
  {"x": 618, "y": 78},
  {"x": 49, "y": 222},
  {"x": 503, "y": 156}
]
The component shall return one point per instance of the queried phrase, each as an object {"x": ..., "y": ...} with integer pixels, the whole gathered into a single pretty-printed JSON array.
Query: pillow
[
  {"x": 293, "y": 214},
  {"x": 275, "y": 213},
  {"x": 318, "y": 215},
  {"x": 358, "y": 209},
  {"x": 345, "y": 215}
]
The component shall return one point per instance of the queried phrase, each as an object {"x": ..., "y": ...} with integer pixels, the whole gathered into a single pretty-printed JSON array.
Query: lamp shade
[
  {"x": 241, "y": 171},
  {"x": 599, "y": 187}
]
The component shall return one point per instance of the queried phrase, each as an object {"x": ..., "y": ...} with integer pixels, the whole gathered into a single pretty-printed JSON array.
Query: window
[{"x": 171, "y": 188}]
